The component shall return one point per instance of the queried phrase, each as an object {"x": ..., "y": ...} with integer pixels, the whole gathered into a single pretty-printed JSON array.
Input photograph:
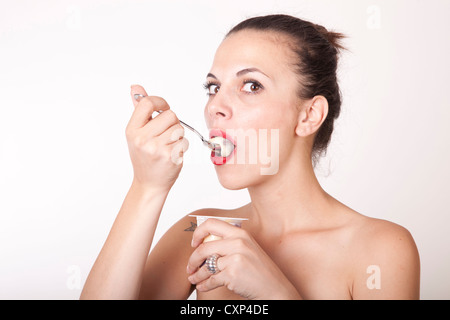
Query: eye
[
  {"x": 211, "y": 88},
  {"x": 251, "y": 86}
]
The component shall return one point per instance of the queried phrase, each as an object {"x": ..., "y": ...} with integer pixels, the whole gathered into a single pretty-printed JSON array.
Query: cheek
[
  {"x": 274, "y": 124},
  {"x": 206, "y": 116},
  {"x": 255, "y": 117},
  {"x": 270, "y": 117},
  {"x": 277, "y": 139}
]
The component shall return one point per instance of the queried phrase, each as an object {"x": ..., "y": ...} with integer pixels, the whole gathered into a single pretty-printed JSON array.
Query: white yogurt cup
[{"x": 233, "y": 221}]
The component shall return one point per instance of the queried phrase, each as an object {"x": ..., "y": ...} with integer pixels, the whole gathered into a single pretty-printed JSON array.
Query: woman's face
[{"x": 253, "y": 102}]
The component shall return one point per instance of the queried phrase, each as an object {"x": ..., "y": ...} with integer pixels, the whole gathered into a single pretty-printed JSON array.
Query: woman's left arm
[{"x": 244, "y": 267}]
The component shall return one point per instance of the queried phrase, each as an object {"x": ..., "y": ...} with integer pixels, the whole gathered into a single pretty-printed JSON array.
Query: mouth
[{"x": 225, "y": 146}]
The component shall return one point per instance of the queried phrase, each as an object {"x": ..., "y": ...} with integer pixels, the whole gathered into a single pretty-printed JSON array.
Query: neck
[{"x": 289, "y": 200}]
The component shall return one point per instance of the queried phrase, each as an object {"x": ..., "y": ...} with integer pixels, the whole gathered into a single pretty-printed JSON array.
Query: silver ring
[{"x": 211, "y": 264}]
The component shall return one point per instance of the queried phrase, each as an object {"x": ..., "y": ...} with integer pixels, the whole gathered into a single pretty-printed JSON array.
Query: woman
[{"x": 276, "y": 73}]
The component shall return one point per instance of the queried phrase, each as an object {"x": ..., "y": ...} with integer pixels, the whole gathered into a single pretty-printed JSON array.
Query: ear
[{"x": 311, "y": 116}]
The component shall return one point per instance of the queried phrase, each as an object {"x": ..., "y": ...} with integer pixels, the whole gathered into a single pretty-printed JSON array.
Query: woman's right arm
[{"x": 156, "y": 147}]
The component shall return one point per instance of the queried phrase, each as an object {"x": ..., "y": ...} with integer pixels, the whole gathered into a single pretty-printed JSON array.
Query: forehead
[{"x": 265, "y": 50}]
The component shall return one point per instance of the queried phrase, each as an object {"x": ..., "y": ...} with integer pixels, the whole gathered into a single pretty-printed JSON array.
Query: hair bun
[{"x": 334, "y": 38}]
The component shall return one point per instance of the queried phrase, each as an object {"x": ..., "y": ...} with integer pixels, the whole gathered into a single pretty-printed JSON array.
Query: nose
[{"x": 218, "y": 108}]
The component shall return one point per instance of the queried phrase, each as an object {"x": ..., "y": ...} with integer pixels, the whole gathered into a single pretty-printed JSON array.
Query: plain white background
[{"x": 65, "y": 72}]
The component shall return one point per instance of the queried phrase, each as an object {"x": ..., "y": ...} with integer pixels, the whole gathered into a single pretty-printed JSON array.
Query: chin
[{"x": 237, "y": 177}]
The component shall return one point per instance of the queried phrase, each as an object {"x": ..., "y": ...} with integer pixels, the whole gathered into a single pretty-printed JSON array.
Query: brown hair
[{"x": 317, "y": 51}]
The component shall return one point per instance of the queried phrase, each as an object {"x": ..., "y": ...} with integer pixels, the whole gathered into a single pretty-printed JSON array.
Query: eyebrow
[
  {"x": 248, "y": 70},
  {"x": 240, "y": 73}
]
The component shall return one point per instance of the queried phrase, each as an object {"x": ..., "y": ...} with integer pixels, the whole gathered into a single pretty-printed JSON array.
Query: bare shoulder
[
  {"x": 387, "y": 252},
  {"x": 382, "y": 235}
]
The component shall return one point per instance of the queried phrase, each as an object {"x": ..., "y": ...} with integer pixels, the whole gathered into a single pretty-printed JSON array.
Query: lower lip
[{"x": 217, "y": 160}]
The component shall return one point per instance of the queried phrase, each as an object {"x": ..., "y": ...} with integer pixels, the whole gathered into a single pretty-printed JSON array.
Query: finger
[
  {"x": 143, "y": 112},
  {"x": 222, "y": 248},
  {"x": 160, "y": 124},
  {"x": 212, "y": 282},
  {"x": 137, "y": 89},
  {"x": 178, "y": 150},
  {"x": 227, "y": 274},
  {"x": 201, "y": 275},
  {"x": 200, "y": 254},
  {"x": 230, "y": 260},
  {"x": 213, "y": 226},
  {"x": 172, "y": 134}
]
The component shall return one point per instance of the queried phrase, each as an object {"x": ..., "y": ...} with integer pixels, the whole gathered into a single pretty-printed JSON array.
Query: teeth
[{"x": 226, "y": 146}]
